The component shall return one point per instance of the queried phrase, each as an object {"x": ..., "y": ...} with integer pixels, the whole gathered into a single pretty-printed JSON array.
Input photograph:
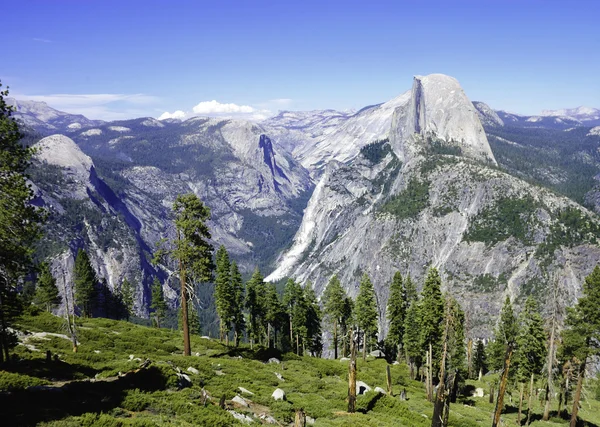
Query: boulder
[
  {"x": 380, "y": 390},
  {"x": 241, "y": 417},
  {"x": 273, "y": 360},
  {"x": 478, "y": 392},
  {"x": 344, "y": 359},
  {"x": 193, "y": 370},
  {"x": 362, "y": 387},
  {"x": 183, "y": 381},
  {"x": 245, "y": 391},
  {"x": 377, "y": 353},
  {"x": 279, "y": 376},
  {"x": 278, "y": 394},
  {"x": 240, "y": 401}
]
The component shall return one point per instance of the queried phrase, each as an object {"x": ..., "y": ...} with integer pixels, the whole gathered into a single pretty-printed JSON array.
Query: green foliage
[
  {"x": 505, "y": 334},
  {"x": 158, "y": 304},
  {"x": 19, "y": 221},
  {"x": 237, "y": 287},
  {"x": 508, "y": 217},
  {"x": 531, "y": 342},
  {"x": 396, "y": 311},
  {"x": 304, "y": 316},
  {"x": 488, "y": 283},
  {"x": 571, "y": 228},
  {"x": 412, "y": 333},
  {"x": 46, "y": 293},
  {"x": 410, "y": 202},
  {"x": 224, "y": 293},
  {"x": 334, "y": 309},
  {"x": 479, "y": 359},
  {"x": 10, "y": 381},
  {"x": 457, "y": 357},
  {"x": 126, "y": 295},
  {"x": 432, "y": 316},
  {"x": 255, "y": 291},
  {"x": 376, "y": 151},
  {"x": 365, "y": 310},
  {"x": 85, "y": 282}
]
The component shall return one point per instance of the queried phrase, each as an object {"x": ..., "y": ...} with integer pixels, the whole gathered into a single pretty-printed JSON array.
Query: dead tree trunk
[
  {"x": 187, "y": 350},
  {"x": 441, "y": 396},
  {"x": 522, "y": 386},
  {"x": 389, "y": 379},
  {"x": 529, "y": 401},
  {"x": 502, "y": 387}
]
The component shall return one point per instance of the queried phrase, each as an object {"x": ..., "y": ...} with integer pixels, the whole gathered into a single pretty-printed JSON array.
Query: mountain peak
[{"x": 439, "y": 109}]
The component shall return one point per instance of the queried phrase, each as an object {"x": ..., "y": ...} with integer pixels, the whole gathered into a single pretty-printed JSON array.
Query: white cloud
[
  {"x": 36, "y": 39},
  {"x": 222, "y": 110},
  {"x": 174, "y": 115},
  {"x": 214, "y": 107}
]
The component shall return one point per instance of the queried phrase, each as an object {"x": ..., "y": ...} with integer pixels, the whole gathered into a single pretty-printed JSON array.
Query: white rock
[
  {"x": 92, "y": 132},
  {"x": 278, "y": 394},
  {"x": 245, "y": 391},
  {"x": 273, "y": 360},
  {"x": 478, "y": 392},
  {"x": 97, "y": 351},
  {"x": 310, "y": 420},
  {"x": 362, "y": 387},
  {"x": 380, "y": 390},
  {"x": 377, "y": 353},
  {"x": 241, "y": 417},
  {"x": 278, "y": 375},
  {"x": 193, "y": 370},
  {"x": 344, "y": 359},
  {"x": 267, "y": 418},
  {"x": 240, "y": 401}
]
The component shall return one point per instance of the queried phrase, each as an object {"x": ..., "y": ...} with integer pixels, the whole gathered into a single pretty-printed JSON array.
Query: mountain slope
[{"x": 428, "y": 200}]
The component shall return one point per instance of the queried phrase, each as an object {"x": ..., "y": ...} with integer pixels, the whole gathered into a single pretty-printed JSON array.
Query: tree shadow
[
  {"x": 55, "y": 369},
  {"x": 563, "y": 416},
  {"x": 46, "y": 403}
]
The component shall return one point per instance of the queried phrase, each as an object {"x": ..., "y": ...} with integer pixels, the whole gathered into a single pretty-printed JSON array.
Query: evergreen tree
[
  {"x": 457, "y": 355},
  {"x": 126, "y": 296},
  {"x": 105, "y": 302},
  {"x": 334, "y": 307},
  {"x": 237, "y": 309},
  {"x": 581, "y": 338},
  {"x": 224, "y": 294},
  {"x": 158, "y": 304},
  {"x": 85, "y": 283},
  {"x": 19, "y": 223},
  {"x": 313, "y": 323},
  {"x": 531, "y": 344},
  {"x": 504, "y": 334},
  {"x": 412, "y": 338},
  {"x": 480, "y": 359},
  {"x": 366, "y": 312},
  {"x": 274, "y": 314},
  {"x": 46, "y": 293},
  {"x": 191, "y": 250},
  {"x": 410, "y": 291},
  {"x": 255, "y": 293},
  {"x": 396, "y": 312},
  {"x": 432, "y": 316},
  {"x": 297, "y": 310}
]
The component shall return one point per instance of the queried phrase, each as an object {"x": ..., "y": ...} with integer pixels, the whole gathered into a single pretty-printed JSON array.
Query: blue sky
[{"x": 112, "y": 60}]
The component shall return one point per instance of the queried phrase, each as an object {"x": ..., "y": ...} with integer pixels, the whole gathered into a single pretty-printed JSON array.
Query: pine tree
[
  {"x": 506, "y": 335},
  {"x": 581, "y": 338},
  {"x": 126, "y": 296},
  {"x": 46, "y": 293},
  {"x": 412, "y": 338},
  {"x": 396, "y": 312},
  {"x": 457, "y": 357},
  {"x": 432, "y": 316},
  {"x": 237, "y": 309},
  {"x": 19, "y": 223},
  {"x": 297, "y": 310},
  {"x": 410, "y": 291},
  {"x": 85, "y": 283},
  {"x": 158, "y": 304},
  {"x": 334, "y": 305},
  {"x": 480, "y": 360},
  {"x": 224, "y": 294},
  {"x": 192, "y": 251},
  {"x": 255, "y": 293},
  {"x": 531, "y": 344},
  {"x": 366, "y": 312},
  {"x": 313, "y": 323},
  {"x": 274, "y": 314}
]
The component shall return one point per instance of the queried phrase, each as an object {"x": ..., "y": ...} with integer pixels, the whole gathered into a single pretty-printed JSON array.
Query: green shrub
[
  {"x": 10, "y": 381},
  {"x": 136, "y": 401},
  {"x": 410, "y": 202}
]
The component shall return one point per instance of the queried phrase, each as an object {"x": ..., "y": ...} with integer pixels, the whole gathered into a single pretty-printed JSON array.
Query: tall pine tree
[
  {"x": 237, "y": 309},
  {"x": 255, "y": 295},
  {"x": 581, "y": 338},
  {"x": 46, "y": 293},
  {"x": 334, "y": 303},
  {"x": 412, "y": 338},
  {"x": 366, "y": 312},
  {"x": 224, "y": 294},
  {"x": 396, "y": 313},
  {"x": 158, "y": 304},
  {"x": 126, "y": 297},
  {"x": 432, "y": 316},
  {"x": 85, "y": 283}
]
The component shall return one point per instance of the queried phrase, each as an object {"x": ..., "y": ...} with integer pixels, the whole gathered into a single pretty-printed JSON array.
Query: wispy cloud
[
  {"x": 217, "y": 109},
  {"x": 36, "y": 39}
]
